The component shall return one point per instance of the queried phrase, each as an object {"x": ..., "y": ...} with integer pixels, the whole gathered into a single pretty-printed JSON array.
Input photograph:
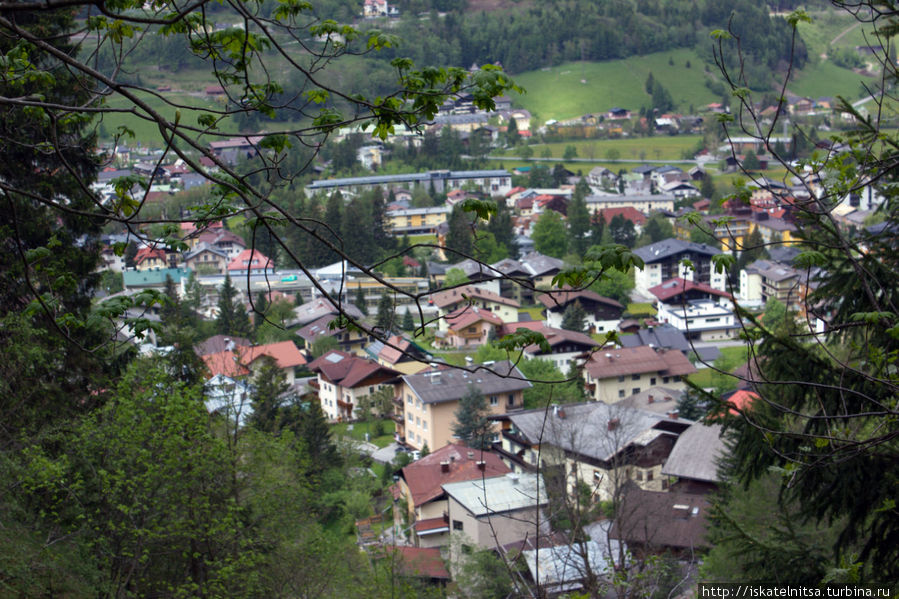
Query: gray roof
[
  {"x": 499, "y": 494},
  {"x": 668, "y": 248},
  {"x": 584, "y": 428},
  {"x": 664, "y": 335},
  {"x": 436, "y": 386},
  {"x": 696, "y": 454},
  {"x": 538, "y": 264},
  {"x": 772, "y": 270},
  {"x": 317, "y": 308},
  {"x": 664, "y": 400},
  {"x": 407, "y": 178},
  {"x": 784, "y": 254}
]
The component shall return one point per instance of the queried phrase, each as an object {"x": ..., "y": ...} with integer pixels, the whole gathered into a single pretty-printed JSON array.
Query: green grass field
[
  {"x": 731, "y": 357},
  {"x": 827, "y": 79},
  {"x": 558, "y": 92},
  {"x": 660, "y": 147},
  {"x": 359, "y": 429}
]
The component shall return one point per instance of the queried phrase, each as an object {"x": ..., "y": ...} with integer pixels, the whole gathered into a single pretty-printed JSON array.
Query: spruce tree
[
  {"x": 386, "y": 318},
  {"x": 408, "y": 321},
  {"x": 578, "y": 220},
  {"x": 597, "y": 229},
  {"x": 459, "y": 236},
  {"x": 574, "y": 317},
  {"x": 269, "y": 385},
  {"x": 260, "y": 308},
  {"x": 473, "y": 426},
  {"x": 360, "y": 300}
]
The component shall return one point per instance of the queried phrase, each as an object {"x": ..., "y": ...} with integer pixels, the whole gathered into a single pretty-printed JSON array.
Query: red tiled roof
[
  {"x": 409, "y": 261},
  {"x": 677, "y": 286},
  {"x": 469, "y": 315},
  {"x": 430, "y": 524},
  {"x": 553, "y": 336},
  {"x": 250, "y": 259},
  {"x": 741, "y": 400},
  {"x": 421, "y": 562},
  {"x": 146, "y": 253},
  {"x": 234, "y": 363},
  {"x": 426, "y": 477},
  {"x": 444, "y": 299},
  {"x": 515, "y": 190},
  {"x": 394, "y": 354},
  {"x": 628, "y": 212}
]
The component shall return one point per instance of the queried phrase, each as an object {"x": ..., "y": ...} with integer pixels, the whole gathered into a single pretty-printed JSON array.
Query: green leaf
[
  {"x": 523, "y": 338},
  {"x": 723, "y": 262},
  {"x": 483, "y": 208},
  {"x": 720, "y": 34}
]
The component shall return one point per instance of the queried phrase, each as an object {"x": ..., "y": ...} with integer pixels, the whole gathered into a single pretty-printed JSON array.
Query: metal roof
[
  {"x": 407, "y": 178},
  {"x": 499, "y": 494},
  {"x": 436, "y": 386},
  {"x": 669, "y": 248},
  {"x": 696, "y": 454}
]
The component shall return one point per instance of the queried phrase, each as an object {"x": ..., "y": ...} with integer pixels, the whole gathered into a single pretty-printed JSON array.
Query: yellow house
[
  {"x": 427, "y": 402},
  {"x": 417, "y": 221}
]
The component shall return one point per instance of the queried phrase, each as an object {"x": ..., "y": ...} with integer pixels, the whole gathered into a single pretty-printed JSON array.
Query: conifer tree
[
  {"x": 386, "y": 318},
  {"x": 408, "y": 321},
  {"x": 574, "y": 317},
  {"x": 360, "y": 300},
  {"x": 472, "y": 425},
  {"x": 578, "y": 220},
  {"x": 269, "y": 385}
]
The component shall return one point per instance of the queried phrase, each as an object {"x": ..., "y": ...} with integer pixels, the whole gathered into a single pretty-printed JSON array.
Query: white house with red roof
[
  {"x": 246, "y": 361},
  {"x": 343, "y": 378},
  {"x": 148, "y": 258},
  {"x": 251, "y": 262},
  {"x": 469, "y": 326}
]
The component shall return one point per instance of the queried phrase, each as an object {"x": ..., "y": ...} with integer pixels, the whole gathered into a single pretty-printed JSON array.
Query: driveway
[{"x": 385, "y": 455}]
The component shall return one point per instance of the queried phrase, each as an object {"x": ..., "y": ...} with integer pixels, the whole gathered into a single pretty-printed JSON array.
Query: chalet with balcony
[
  {"x": 343, "y": 378},
  {"x": 603, "y": 313}
]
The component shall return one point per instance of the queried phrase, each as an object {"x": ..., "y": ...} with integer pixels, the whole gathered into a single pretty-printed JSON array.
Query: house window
[
  {"x": 621, "y": 378},
  {"x": 635, "y": 390},
  {"x": 621, "y": 393},
  {"x": 457, "y": 525},
  {"x": 511, "y": 399},
  {"x": 649, "y": 475},
  {"x": 652, "y": 381},
  {"x": 635, "y": 377},
  {"x": 409, "y": 399},
  {"x": 472, "y": 329},
  {"x": 371, "y": 390},
  {"x": 597, "y": 475},
  {"x": 424, "y": 424},
  {"x": 409, "y": 417},
  {"x": 494, "y": 400},
  {"x": 665, "y": 379}
]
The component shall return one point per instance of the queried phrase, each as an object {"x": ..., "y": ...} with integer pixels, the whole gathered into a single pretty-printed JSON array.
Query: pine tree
[
  {"x": 260, "y": 308},
  {"x": 597, "y": 229},
  {"x": 623, "y": 231},
  {"x": 386, "y": 318},
  {"x": 269, "y": 385},
  {"x": 574, "y": 317},
  {"x": 232, "y": 317},
  {"x": 360, "y": 300},
  {"x": 408, "y": 321},
  {"x": 459, "y": 236},
  {"x": 472, "y": 425},
  {"x": 578, "y": 220}
]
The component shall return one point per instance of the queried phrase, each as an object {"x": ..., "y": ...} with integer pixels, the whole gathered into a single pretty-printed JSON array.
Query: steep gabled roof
[
  {"x": 669, "y": 248},
  {"x": 558, "y": 300},
  {"x": 249, "y": 259},
  {"x": 662, "y": 519},
  {"x": 467, "y": 316},
  {"x": 347, "y": 370},
  {"x": 426, "y": 476},
  {"x": 696, "y": 454},
  {"x": 677, "y": 286},
  {"x": 450, "y": 297},
  {"x": 234, "y": 363}
]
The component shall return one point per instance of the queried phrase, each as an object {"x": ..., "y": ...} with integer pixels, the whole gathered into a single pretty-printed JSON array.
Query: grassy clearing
[
  {"x": 731, "y": 358},
  {"x": 640, "y": 148},
  {"x": 827, "y": 79},
  {"x": 558, "y": 92},
  {"x": 536, "y": 312},
  {"x": 359, "y": 429},
  {"x": 641, "y": 309}
]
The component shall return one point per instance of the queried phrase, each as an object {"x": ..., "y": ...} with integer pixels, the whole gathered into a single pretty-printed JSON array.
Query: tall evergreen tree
[
  {"x": 358, "y": 236},
  {"x": 360, "y": 300},
  {"x": 408, "y": 321},
  {"x": 269, "y": 385},
  {"x": 459, "y": 236},
  {"x": 500, "y": 225},
  {"x": 473, "y": 426},
  {"x": 574, "y": 317},
  {"x": 260, "y": 308},
  {"x": 386, "y": 318},
  {"x": 598, "y": 233},
  {"x": 579, "y": 220},
  {"x": 623, "y": 231},
  {"x": 232, "y": 318}
]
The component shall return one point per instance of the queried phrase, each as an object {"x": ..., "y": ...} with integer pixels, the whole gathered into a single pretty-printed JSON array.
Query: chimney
[
  {"x": 667, "y": 398},
  {"x": 613, "y": 423},
  {"x": 555, "y": 409},
  {"x": 470, "y": 455},
  {"x": 650, "y": 399},
  {"x": 482, "y": 465},
  {"x": 444, "y": 466},
  {"x": 672, "y": 414},
  {"x": 452, "y": 458},
  {"x": 561, "y": 414}
]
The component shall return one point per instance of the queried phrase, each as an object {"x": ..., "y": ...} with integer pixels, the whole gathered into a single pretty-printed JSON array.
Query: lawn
[
  {"x": 575, "y": 88},
  {"x": 641, "y": 309},
  {"x": 827, "y": 79},
  {"x": 731, "y": 358},
  {"x": 660, "y": 147},
  {"x": 357, "y": 431}
]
